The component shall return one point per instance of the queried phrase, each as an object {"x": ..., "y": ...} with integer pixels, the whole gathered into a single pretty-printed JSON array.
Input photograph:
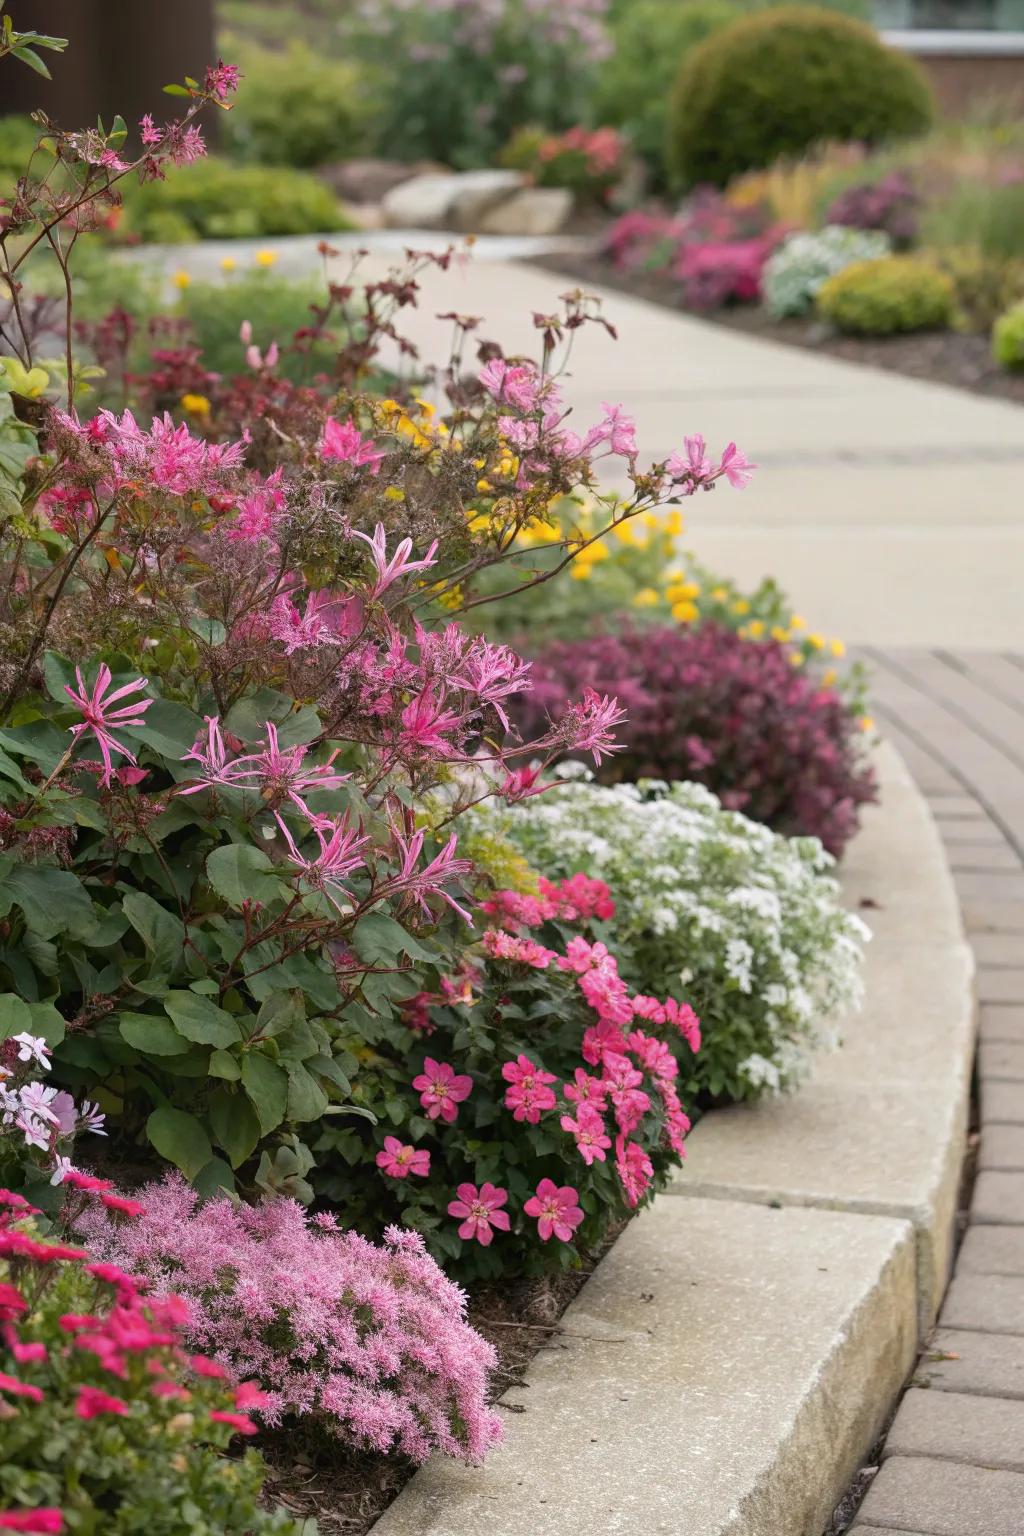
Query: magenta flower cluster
[{"x": 371, "y": 1340}]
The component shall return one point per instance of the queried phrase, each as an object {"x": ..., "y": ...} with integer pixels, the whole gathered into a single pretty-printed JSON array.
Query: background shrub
[
  {"x": 889, "y": 204},
  {"x": 752, "y": 920},
  {"x": 777, "y": 83},
  {"x": 983, "y": 210},
  {"x": 1008, "y": 339},
  {"x": 797, "y": 270},
  {"x": 276, "y": 307},
  {"x": 985, "y": 286},
  {"x": 732, "y": 713},
  {"x": 882, "y": 298},
  {"x": 297, "y": 109},
  {"x": 214, "y": 199}
]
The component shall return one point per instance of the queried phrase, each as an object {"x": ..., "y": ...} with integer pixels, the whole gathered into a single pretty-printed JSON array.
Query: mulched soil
[
  {"x": 943, "y": 357},
  {"x": 346, "y": 1490}
]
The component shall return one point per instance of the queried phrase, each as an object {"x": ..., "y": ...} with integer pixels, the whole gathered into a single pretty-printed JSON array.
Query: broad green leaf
[
  {"x": 224, "y": 1065},
  {"x": 180, "y": 1139},
  {"x": 198, "y": 1019},
  {"x": 214, "y": 1179},
  {"x": 168, "y": 728},
  {"x": 235, "y": 1123},
  {"x": 150, "y": 1033},
  {"x": 15, "y": 1016},
  {"x": 162, "y": 932},
  {"x": 279, "y": 1013},
  {"x": 48, "y": 1022},
  {"x": 267, "y": 1086},
  {"x": 306, "y": 1099},
  {"x": 239, "y": 872},
  {"x": 58, "y": 674},
  {"x": 40, "y": 741},
  {"x": 379, "y": 940},
  {"x": 52, "y": 900},
  {"x": 248, "y": 718}
]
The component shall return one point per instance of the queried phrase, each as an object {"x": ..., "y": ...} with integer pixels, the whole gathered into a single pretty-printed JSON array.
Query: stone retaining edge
[{"x": 729, "y": 1364}]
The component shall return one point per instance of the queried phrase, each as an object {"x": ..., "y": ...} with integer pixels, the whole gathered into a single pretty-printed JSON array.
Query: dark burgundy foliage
[
  {"x": 890, "y": 205},
  {"x": 709, "y": 705}
]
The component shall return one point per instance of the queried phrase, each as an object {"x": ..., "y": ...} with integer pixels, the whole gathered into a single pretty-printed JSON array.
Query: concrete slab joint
[{"x": 732, "y": 1360}]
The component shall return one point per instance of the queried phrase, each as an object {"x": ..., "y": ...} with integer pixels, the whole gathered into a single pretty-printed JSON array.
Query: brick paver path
[{"x": 953, "y": 1463}]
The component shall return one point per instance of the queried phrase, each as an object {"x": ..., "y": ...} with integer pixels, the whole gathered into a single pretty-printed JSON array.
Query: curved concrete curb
[{"x": 732, "y": 1359}]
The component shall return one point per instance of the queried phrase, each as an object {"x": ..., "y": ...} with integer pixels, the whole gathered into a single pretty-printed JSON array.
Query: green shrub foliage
[
  {"x": 215, "y": 200},
  {"x": 776, "y": 83},
  {"x": 885, "y": 297},
  {"x": 1008, "y": 339},
  {"x": 300, "y": 110}
]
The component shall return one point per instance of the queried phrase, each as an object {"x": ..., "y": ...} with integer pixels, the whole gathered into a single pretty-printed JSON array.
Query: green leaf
[
  {"x": 224, "y": 1065},
  {"x": 176, "y": 90},
  {"x": 32, "y": 60},
  {"x": 248, "y": 718},
  {"x": 52, "y": 900},
  {"x": 15, "y": 1016},
  {"x": 235, "y": 1123},
  {"x": 149, "y": 1033},
  {"x": 162, "y": 932},
  {"x": 306, "y": 1099},
  {"x": 180, "y": 1139},
  {"x": 58, "y": 673},
  {"x": 267, "y": 1086},
  {"x": 213, "y": 1180},
  {"x": 279, "y": 1013},
  {"x": 239, "y": 872},
  {"x": 379, "y": 940},
  {"x": 168, "y": 728},
  {"x": 48, "y": 1022},
  {"x": 198, "y": 1019}
]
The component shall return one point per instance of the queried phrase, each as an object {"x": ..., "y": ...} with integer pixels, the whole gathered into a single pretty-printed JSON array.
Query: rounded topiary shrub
[
  {"x": 882, "y": 298},
  {"x": 1008, "y": 339},
  {"x": 779, "y": 81}
]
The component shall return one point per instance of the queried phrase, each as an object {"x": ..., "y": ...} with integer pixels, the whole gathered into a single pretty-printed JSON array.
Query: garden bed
[
  {"x": 942, "y": 357},
  {"x": 684, "y": 1336}
]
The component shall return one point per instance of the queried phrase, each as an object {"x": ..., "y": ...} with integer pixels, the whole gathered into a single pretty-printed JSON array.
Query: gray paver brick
[
  {"x": 982, "y": 915},
  {"x": 1002, "y": 1147},
  {"x": 1002, "y": 1102},
  {"x": 1001, "y": 1060},
  {"x": 999, "y": 1196},
  {"x": 991, "y": 1251},
  {"x": 990, "y": 1303},
  {"x": 989, "y": 1364},
  {"x": 984, "y": 1431},
  {"x": 945, "y": 1498},
  {"x": 995, "y": 986},
  {"x": 984, "y": 856},
  {"x": 1002, "y": 1021}
]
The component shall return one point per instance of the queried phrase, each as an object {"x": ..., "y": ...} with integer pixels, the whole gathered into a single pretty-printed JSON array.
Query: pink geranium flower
[
  {"x": 101, "y": 719},
  {"x": 45, "y": 1521},
  {"x": 92, "y": 1402},
  {"x": 529, "y": 1094},
  {"x": 480, "y": 1210},
  {"x": 441, "y": 1089},
  {"x": 556, "y": 1210},
  {"x": 588, "y": 1129},
  {"x": 398, "y": 1160}
]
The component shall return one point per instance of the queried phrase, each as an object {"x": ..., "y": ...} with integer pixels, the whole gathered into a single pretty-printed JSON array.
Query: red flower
[
  {"x": 119, "y": 1203},
  {"x": 41, "y": 1520},
  {"x": 18, "y": 1388},
  {"x": 244, "y": 1426}
]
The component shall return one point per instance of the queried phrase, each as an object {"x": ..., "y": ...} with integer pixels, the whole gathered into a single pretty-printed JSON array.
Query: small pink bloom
[
  {"x": 399, "y": 565},
  {"x": 529, "y": 1094},
  {"x": 480, "y": 1211},
  {"x": 92, "y": 1402},
  {"x": 398, "y": 1160},
  {"x": 101, "y": 719},
  {"x": 18, "y": 1388},
  {"x": 441, "y": 1089},
  {"x": 736, "y": 467},
  {"x": 45, "y": 1521},
  {"x": 556, "y": 1211},
  {"x": 238, "y": 1421},
  {"x": 342, "y": 440},
  {"x": 588, "y": 1129}
]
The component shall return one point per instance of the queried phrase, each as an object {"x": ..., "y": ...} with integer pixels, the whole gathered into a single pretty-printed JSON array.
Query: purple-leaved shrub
[{"x": 733, "y": 713}]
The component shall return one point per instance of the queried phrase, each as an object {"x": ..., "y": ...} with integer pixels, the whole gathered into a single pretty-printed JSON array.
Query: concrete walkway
[
  {"x": 953, "y": 1463},
  {"x": 889, "y": 509}
]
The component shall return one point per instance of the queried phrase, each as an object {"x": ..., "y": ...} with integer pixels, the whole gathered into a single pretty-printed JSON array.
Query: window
[{"x": 951, "y": 15}]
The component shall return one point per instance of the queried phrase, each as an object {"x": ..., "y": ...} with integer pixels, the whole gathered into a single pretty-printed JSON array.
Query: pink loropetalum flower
[
  {"x": 221, "y": 79},
  {"x": 480, "y": 1210},
  {"x": 431, "y": 879},
  {"x": 556, "y": 1210},
  {"x": 424, "y": 724},
  {"x": 398, "y": 1160},
  {"x": 101, "y": 719},
  {"x": 528, "y": 1094},
  {"x": 399, "y": 565},
  {"x": 282, "y": 772},
  {"x": 210, "y": 752},
  {"x": 442, "y": 1089},
  {"x": 512, "y": 384},
  {"x": 343, "y": 440},
  {"x": 341, "y": 852}
]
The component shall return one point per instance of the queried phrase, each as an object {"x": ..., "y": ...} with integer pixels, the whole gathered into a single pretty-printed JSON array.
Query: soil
[
  {"x": 346, "y": 1491},
  {"x": 943, "y": 357}
]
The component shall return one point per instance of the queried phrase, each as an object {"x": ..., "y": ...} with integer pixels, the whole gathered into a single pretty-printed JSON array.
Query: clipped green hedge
[
  {"x": 885, "y": 297},
  {"x": 780, "y": 81},
  {"x": 1008, "y": 339},
  {"x": 299, "y": 109},
  {"x": 214, "y": 199}
]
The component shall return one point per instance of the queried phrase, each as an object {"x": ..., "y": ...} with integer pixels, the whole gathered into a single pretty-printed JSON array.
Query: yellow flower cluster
[{"x": 423, "y": 430}]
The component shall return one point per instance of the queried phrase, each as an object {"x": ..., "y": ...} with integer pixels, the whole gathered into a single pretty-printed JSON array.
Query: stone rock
[
  {"x": 456, "y": 201},
  {"x": 530, "y": 211},
  {"x": 368, "y": 180}
]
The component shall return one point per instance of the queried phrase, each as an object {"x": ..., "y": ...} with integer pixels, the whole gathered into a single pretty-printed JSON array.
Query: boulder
[
  {"x": 455, "y": 201},
  {"x": 368, "y": 180},
  {"x": 530, "y": 211}
]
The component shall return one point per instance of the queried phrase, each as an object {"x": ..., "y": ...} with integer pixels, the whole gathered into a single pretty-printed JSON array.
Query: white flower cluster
[
  {"x": 46, "y": 1118},
  {"x": 803, "y": 262},
  {"x": 713, "y": 908}
]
